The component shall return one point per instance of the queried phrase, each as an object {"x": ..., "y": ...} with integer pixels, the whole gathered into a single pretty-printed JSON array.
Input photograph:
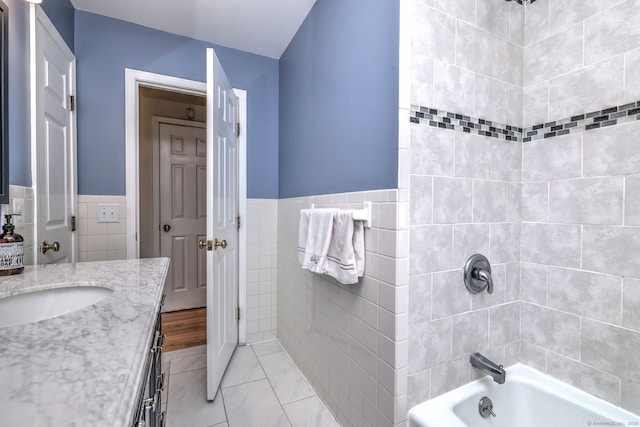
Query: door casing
[{"x": 134, "y": 79}]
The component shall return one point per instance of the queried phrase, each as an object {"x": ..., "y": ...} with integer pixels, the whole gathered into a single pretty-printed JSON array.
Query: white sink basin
[{"x": 47, "y": 303}]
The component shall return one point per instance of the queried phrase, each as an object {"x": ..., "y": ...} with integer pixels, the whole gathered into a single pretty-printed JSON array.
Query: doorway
[
  {"x": 134, "y": 81},
  {"x": 172, "y": 191}
]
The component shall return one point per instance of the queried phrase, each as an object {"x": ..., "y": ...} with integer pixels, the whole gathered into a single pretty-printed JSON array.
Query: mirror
[{"x": 4, "y": 123}]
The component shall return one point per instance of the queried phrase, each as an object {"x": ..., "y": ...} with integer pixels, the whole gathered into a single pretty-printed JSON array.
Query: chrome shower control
[{"x": 477, "y": 274}]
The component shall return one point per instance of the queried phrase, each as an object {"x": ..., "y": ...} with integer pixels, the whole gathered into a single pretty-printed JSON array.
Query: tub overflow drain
[{"x": 486, "y": 407}]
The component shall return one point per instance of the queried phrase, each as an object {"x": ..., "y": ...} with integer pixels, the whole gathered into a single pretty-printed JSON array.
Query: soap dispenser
[{"x": 11, "y": 249}]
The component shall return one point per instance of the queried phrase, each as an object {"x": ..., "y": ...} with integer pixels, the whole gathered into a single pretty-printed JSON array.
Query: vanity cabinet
[{"x": 148, "y": 410}]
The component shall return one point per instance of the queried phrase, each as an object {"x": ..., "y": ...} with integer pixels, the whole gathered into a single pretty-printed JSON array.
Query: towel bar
[{"x": 363, "y": 214}]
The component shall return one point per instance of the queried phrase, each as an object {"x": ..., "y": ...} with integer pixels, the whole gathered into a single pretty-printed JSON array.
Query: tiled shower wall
[
  {"x": 581, "y": 199},
  {"x": 350, "y": 341},
  {"x": 464, "y": 191},
  {"x": 573, "y": 197}
]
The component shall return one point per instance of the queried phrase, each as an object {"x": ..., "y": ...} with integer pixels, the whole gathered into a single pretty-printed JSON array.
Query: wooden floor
[{"x": 186, "y": 328}]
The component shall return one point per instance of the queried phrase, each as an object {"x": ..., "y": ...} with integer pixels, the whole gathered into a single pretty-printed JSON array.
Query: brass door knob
[
  {"x": 45, "y": 247},
  {"x": 217, "y": 244}
]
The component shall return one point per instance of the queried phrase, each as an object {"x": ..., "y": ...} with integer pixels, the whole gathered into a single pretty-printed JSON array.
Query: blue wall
[
  {"x": 104, "y": 47},
  {"x": 339, "y": 100},
  {"x": 19, "y": 115},
  {"x": 61, "y": 13}
]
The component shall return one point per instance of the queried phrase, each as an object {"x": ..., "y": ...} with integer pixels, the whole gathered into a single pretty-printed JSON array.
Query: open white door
[
  {"x": 222, "y": 229},
  {"x": 53, "y": 142}
]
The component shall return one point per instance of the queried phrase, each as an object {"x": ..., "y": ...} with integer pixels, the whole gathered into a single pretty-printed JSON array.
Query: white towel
[
  {"x": 358, "y": 245},
  {"x": 346, "y": 250},
  {"x": 313, "y": 246}
]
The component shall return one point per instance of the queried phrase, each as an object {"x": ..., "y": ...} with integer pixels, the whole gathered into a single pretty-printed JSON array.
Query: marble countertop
[{"x": 83, "y": 368}]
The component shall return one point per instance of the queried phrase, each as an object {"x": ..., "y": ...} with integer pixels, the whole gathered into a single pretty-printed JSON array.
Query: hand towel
[
  {"x": 358, "y": 245},
  {"x": 341, "y": 258},
  {"x": 315, "y": 246}
]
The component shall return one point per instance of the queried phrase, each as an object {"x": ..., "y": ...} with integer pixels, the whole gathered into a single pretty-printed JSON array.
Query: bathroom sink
[{"x": 47, "y": 303}]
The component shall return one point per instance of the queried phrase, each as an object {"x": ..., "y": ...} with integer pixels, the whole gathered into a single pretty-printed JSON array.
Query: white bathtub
[{"x": 528, "y": 398}]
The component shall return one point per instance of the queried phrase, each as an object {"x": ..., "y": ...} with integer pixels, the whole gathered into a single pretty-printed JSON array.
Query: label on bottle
[{"x": 11, "y": 255}]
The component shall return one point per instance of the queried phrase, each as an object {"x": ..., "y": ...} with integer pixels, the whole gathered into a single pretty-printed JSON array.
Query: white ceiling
[{"x": 263, "y": 27}]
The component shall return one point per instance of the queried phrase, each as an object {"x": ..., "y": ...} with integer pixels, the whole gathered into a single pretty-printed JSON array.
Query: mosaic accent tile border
[
  {"x": 584, "y": 122},
  {"x": 611, "y": 116},
  {"x": 453, "y": 121},
  {"x": 523, "y": 2}
]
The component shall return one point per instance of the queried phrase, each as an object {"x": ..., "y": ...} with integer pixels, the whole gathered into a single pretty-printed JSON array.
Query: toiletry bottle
[{"x": 11, "y": 249}]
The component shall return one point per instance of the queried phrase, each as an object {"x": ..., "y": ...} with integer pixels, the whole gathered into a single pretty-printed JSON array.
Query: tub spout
[{"x": 488, "y": 367}]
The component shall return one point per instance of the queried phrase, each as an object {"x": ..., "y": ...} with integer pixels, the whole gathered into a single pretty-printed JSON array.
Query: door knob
[
  {"x": 166, "y": 228},
  {"x": 217, "y": 244},
  {"x": 45, "y": 247},
  {"x": 204, "y": 244}
]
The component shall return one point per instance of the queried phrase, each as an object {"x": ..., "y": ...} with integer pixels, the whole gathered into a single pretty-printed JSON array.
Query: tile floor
[{"x": 262, "y": 387}]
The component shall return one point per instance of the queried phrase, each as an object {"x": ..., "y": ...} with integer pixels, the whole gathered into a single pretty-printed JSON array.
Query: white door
[
  {"x": 222, "y": 228},
  {"x": 54, "y": 126},
  {"x": 183, "y": 213}
]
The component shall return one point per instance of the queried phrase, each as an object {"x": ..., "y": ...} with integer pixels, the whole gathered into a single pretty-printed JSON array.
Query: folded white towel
[
  {"x": 358, "y": 245},
  {"x": 341, "y": 257},
  {"x": 313, "y": 246}
]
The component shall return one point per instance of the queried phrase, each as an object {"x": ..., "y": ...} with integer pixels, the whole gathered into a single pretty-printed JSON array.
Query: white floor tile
[
  {"x": 188, "y": 363},
  {"x": 287, "y": 381},
  {"x": 188, "y": 405},
  {"x": 253, "y": 404},
  {"x": 168, "y": 356},
  {"x": 309, "y": 412},
  {"x": 277, "y": 395},
  {"x": 266, "y": 347},
  {"x": 244, "y": 367}
]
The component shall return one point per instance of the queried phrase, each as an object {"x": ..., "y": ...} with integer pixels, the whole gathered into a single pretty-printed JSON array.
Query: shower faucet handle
[
  {"x": 485, "y": 276},
  {"x": 477, "y": 274}
]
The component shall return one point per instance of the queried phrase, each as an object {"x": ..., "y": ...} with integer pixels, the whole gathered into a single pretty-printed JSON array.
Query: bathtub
[{"x": 528, "y": 398}]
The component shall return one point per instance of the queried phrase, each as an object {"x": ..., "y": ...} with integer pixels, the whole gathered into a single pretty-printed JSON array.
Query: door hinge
[
  {"x": 73, "y": 223},
  {"x": 238, "y": 129},
  {"x": 72, "y": 102},
  {"x": 238, "y": 219},
  {"x": 238, "y": 313}
]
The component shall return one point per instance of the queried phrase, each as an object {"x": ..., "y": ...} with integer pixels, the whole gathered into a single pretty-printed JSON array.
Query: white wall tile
[
  {"x": 587, "y": 201},
  {"x": 453, "y": 88},
  {"x": 551, "y": 244},
  {"x": 536, "y": 104},
  {"x": 438, "y": 30},
  {"x": 493, "y": 16},
  {"x": 553, "y": 56},
  {"x": 611, "y": 349},
  {"x": 599, "y": 383},
  {"x": 596, "y": 296},
  {"x": 612, "y": 151},
  {"x": 323, "y": 324},
  {"x": 587, "y": 89},
  {"x": 552, "y": 159},
  {"x": 460, "y": 9},
  {"x": 536, "y": 22},
  {"x": 612, "y": 32},
  {"x": 551, "y": 329},
  {"x": 612, "y": 250},
  {"x": 631, "y": 76}
]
